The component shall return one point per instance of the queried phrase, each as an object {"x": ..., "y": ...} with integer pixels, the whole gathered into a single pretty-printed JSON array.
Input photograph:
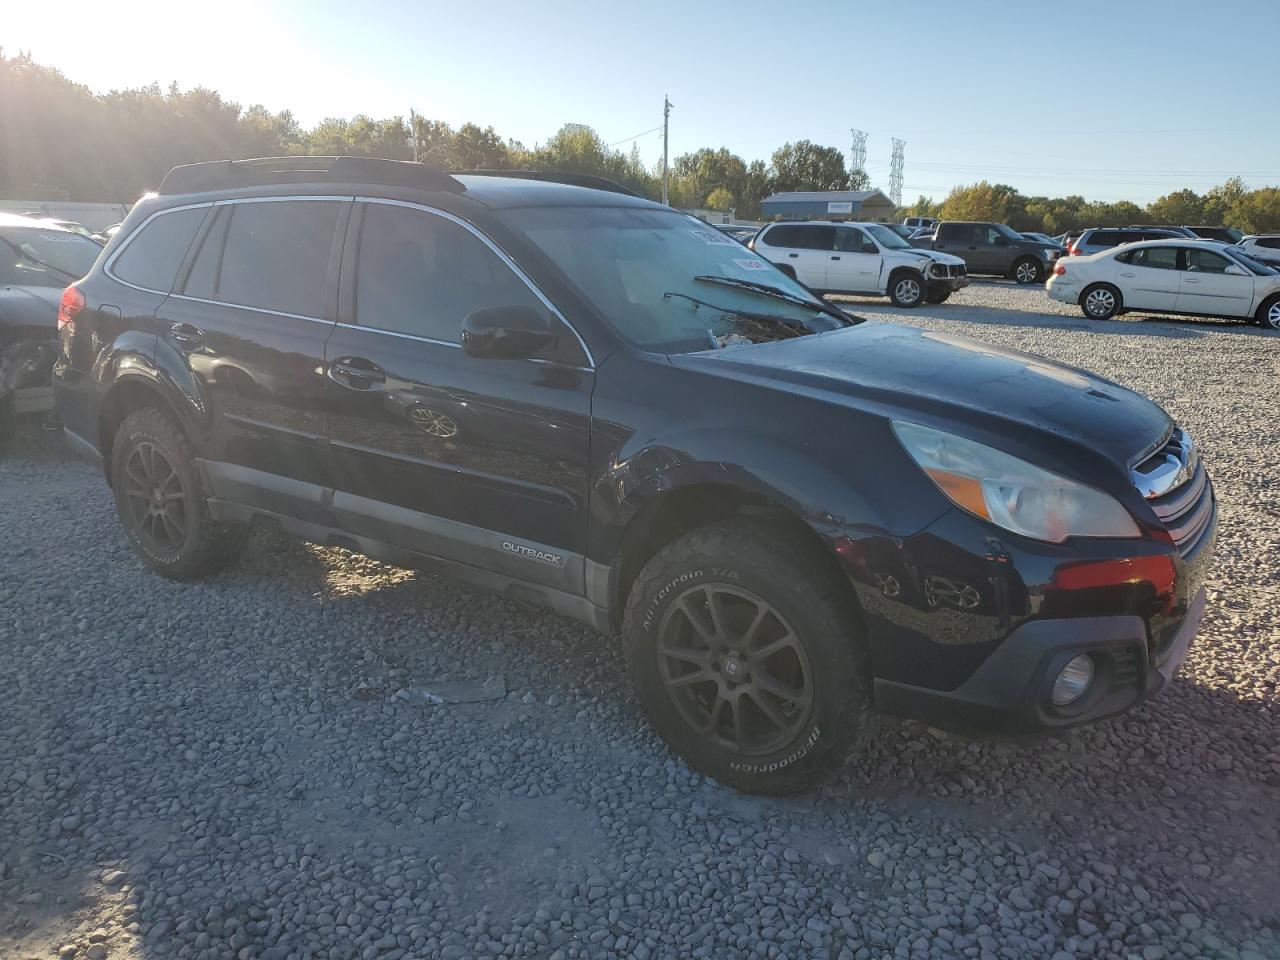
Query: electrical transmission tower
[
  {"x": 895, "y": 172},
  {"x": 858, "y": 152}
]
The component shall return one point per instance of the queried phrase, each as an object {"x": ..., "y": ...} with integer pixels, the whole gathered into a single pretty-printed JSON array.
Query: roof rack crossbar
[
  {"x": 555, "y": 176},
  {"x": 264, "y": 171}
]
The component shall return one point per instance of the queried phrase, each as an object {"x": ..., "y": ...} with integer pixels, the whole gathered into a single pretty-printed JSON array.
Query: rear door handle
[
  {"x": 1128, "y": 274},
  {"x": 1188, "y": 280},
  {"x": 186, "y": 336},
  {"x": 835, "y": 258},
  {"x": 793, "y": 255},
  {"x": 357, "y": 373}
]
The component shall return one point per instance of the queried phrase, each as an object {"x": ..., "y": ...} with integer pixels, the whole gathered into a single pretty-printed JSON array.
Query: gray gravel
[{"x": 223, "y": 769}]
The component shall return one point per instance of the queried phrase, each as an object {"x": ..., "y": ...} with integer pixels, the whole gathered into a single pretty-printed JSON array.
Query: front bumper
[
  {"x": 1010, "y": 691},
  {"x": 949, "y": 284}
]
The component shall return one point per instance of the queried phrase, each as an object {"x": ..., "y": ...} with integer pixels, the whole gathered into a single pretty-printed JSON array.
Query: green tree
[
  {"x": 985, "y": 201},
  {"x": 720, "y": 199},
  {"x": 1219, "y": 201},
  {"x": 808, "y": 166},
  {"x": 1256, "y": 212},
  {"x": 1179, "y": 207},
  {"x": 859, "y": 179}
]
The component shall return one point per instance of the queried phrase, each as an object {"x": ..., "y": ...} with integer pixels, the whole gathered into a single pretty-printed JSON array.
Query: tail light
[
  {"x": 70, "y": 306},
  {"x": 1059, "y": 269}
]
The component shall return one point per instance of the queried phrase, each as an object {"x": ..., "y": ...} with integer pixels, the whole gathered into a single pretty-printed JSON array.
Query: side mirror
[
  {"x": 1236, "y": 271},
  {"x": 511, "y": 332}
]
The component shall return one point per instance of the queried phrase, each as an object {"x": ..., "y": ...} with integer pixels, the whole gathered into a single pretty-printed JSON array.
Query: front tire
[
  {"x": 1100, "y": 301},
  {"x": 938, "y": 296},
  {"x": 1268, "y": 316},
  {"x": 162, "y": 502},
  {"x": 1027, "y": 271},
  {"x": 748, "y": 660},
  {"x": 906, "y": 289}
]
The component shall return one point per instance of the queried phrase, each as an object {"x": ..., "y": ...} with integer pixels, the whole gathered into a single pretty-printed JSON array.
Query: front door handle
[
  {"x": 357, "y": 373},
  {"x": 186, "y": 336},
  {"x": 1189, "y": 280},
  {"x": 1128, "y": 274},
  {"x": 835, "y": 258},
  {"x": 793, "y": 255}
]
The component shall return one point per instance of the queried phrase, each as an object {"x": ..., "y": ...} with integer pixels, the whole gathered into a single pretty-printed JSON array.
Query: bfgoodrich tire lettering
[
  {"x": 152, "y": 472},
  {"x": 748, "y": 660}
]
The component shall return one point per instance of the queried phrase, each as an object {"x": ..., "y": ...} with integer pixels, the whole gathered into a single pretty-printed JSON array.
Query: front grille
[{"x": 1175, "y": 484}]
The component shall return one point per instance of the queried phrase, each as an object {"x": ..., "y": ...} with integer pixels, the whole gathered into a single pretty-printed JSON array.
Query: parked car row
[{"x": 790, "y": 514}]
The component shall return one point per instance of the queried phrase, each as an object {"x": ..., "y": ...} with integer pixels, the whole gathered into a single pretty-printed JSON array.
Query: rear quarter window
[{"x": 151, "y": 258}]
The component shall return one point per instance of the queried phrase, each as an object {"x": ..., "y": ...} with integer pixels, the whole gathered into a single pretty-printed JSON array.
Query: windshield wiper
[
  {"x": 785, "y": 325},
  {"x": 776, "y": 293},
  {"x": 23, "y": 255}
]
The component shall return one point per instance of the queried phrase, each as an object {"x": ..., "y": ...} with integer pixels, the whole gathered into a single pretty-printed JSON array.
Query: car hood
[
  {"x": 916, "y": 253},
  {"x": 883, "y": 365}
]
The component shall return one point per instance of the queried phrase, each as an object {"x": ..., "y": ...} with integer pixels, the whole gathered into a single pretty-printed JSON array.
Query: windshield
[
  {"x": 640, "y": 269},
  {"x": 45, "y": 258},
  {"x": 1007, "y": 231},
  {"x": 1259, "y": 268},
  {"x": 886, "y": 237}
]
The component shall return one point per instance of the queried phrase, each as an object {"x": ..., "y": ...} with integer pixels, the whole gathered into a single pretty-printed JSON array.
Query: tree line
[{"x": 59, "y": 140}]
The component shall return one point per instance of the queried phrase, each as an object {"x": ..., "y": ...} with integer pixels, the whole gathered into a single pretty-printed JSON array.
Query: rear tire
[
  {"x": 1101, "y": 301},
  {"x": 162, "y": 501},
  {"x": 748, "y": 659},
  {"x": 906, "y": 289},
  {"x": 1027, "y": 271},
  {"x": 1268, "y": 316}
]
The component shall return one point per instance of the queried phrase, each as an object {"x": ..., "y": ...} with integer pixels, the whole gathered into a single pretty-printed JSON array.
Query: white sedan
[{"x": 1195, "y": 277}]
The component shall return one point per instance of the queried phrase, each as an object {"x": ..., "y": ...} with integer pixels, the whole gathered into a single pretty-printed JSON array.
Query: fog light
[{"x": 1073, "y": 681}]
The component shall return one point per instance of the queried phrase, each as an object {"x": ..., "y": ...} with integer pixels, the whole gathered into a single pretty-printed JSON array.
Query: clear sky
[{"x": 1110, "y": 99}]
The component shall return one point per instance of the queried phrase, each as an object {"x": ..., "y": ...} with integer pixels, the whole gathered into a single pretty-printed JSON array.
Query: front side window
[
  {"x": 1157, "y": 258},
  {"x": 887, "y": 238},
  {"x": 44, "y": 258},
  {"x": 276, "y": 255},
  {"x": 852, "y": 240},
  {"x": 152, "y": 257},
  {"x": 667, "y": 283},
  {"x": 422, "y": 274},
  {"x": 1205, "y": 261}
]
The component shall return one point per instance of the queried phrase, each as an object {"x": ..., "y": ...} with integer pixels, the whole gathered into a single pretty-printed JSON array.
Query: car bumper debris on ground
[{"x": 224, "y": 769}]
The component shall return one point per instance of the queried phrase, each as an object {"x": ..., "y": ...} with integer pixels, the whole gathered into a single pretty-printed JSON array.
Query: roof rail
[
  {"x": 555, "y": 176},
  {"x": 262, "y": 171}
]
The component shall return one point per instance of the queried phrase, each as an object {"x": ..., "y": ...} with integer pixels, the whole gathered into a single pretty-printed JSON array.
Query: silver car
[{"x": 1097, "y": 239}]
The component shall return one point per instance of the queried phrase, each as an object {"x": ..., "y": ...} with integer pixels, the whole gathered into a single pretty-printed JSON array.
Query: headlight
[{"x": 1012, "y": 493}]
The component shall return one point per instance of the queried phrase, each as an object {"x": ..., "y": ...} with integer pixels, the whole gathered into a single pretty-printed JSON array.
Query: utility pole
[
  {"x": 858, "y": 152},
  {"x": 413, "y": 132},
  {"x": 666, "y": 115}
]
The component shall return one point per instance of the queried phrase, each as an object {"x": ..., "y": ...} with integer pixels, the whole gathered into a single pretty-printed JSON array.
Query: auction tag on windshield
[
  {"x": 714, "y": 238},
  {"x": 751, "y": 264}
]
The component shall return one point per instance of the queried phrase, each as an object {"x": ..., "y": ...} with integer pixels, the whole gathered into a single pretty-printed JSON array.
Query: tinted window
[
  {"x": 785, "y": 236},
  {"x": 152, "y": 256},
  {"x": 1157, "y": 258},
  {"x": 1271, "y": 243},
  {"x": 854, "y": 241},
  {"x": 1102, "y": 238},
  {"x": 277, "y": 255},
  {"x": 1205, "y": 261},
  {"x": 422, "y": 274}
]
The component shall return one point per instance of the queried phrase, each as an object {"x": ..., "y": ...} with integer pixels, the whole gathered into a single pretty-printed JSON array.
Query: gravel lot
[{"x": 222, "y": 770}]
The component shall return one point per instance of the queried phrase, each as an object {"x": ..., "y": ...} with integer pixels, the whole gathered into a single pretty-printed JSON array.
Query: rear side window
[
  {"x": 1156, "y": 258},
  {"x": 1103, "y": 238},
  {"x": 152, "y": 257},
  {"x": 422, "y": 274},
  {"x": 1271, "y": 243},
  {"x": 802, "y": 237},
  {"x": 276, "y": 255}
]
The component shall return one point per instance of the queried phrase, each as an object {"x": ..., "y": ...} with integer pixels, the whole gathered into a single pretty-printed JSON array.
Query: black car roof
[{"x": 368, "y": 175}]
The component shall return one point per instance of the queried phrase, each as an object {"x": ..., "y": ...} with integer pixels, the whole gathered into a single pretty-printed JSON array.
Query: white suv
[
  {"x": 866, "y": 258},
  {"x": 1264, "y": 247}
]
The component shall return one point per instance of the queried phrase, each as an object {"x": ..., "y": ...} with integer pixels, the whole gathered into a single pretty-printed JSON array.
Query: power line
[{"x": 636, "y": 137}]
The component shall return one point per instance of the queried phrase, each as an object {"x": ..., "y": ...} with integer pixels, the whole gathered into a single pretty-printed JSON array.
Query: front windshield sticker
[
  {"x": 60, "y": 238},
  {"x": 751, "y": 264},
  {"x": 715, "y": 238}
]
